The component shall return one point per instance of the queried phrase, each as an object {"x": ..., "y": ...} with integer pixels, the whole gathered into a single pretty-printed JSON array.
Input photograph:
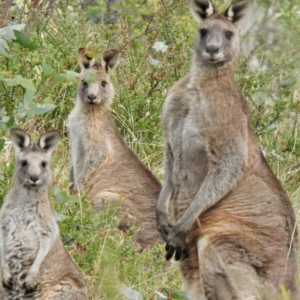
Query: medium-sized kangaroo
[
  {"x": 101, "y": 158},
  {"x": 234, "y": 231},
  {"x": 34, "y": 262}
]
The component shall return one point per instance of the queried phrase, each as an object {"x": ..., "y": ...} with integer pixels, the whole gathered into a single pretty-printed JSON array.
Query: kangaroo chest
[
  {"x": 89, "y": 139},
  {"x": 189, "y": 158},
  {"x": 21, "y": 228}
]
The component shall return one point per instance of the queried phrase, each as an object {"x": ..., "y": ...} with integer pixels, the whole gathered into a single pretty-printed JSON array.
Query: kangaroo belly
[{"x": 22, "y": 247}]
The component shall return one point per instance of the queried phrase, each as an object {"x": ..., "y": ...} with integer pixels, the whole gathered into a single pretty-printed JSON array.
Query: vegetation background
[{"x": 38, "y": 81}]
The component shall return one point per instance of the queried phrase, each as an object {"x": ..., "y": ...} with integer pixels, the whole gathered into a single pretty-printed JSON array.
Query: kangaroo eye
[
  {"x": 103, "y": 83},
  {"x": 203, "y": 32},
  {"x": 228, "y": 35},
  {"x": 24, "y": 163},
  {"x": 44, "y": 164},
  {"x": 84, "y": 83}
]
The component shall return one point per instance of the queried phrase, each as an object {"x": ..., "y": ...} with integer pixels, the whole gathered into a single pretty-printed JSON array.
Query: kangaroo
[
  {"x": 34, "y": 262},
  {"x": 100, "y": 157},
  {"x": 232, "y": 227}
]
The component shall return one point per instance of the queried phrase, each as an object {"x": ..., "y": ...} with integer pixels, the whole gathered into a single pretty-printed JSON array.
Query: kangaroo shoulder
[{"x": 179, "y": 100}]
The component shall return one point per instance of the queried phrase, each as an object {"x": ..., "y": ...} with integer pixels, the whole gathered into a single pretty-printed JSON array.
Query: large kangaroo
[
  {"x": 34, "y": 262},
  {"x": 234, "y": 228},
  {"x": 101, "y": 158}
]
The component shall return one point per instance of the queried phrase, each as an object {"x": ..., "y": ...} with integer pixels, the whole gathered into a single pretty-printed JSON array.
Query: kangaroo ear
[
  {"x": 201, "y": 9},
  {"x": 19, "y": 138},
  {"x": 110, "y": 58},
  {"x": 49, "y": 140},
  {"x": 85, "y": 61},
  {"x": 237, "y": 10}
]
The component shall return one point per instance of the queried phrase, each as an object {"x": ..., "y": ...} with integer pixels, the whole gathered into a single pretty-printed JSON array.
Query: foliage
[{"x": 38, "y": 79}]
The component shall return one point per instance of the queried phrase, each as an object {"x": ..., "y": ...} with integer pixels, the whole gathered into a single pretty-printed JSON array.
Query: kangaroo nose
[
  {"x": 91, "y": 97},
  {"x": 212, "y": 49},
  {"x": 33, "y": 178}
]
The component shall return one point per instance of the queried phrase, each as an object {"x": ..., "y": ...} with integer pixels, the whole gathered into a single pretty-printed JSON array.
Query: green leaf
[
  {"x": 2, "y": 143},
  {"x": 22, "y": 115},
  {"x": 59, "y": 217},
  {"x": 24, "y": 41},
  {"x": 39, "y": 109},
  {"x": 71, "y": 75},
  {"x": 3, "y": 52},
  {"x": 46, "y": 69},
  {"x": 8, "y": 32},
  {"x": 22, "y": 111},
  {"x": 62, "y": 198},
  {"x": 3, "y": 48},
  {"x": 21, "y": 108},
  {"x": 90, "y": 75},
  {"x": 28, "y": 98},
  {"x": 54, "y": 191},
  {"x": 2, "y": 111},
  {"x": 60, "y": 78},
  {"x": 12, "y": 81},
  {"x": 5, "y": 119},
  {"x": 27, "y": 84},
  {"x": 3, "y": 44}
]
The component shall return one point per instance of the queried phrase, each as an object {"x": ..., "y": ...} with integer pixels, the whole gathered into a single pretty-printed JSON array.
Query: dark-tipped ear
[
  {"x": 237, "y": 10},
  {"x": 110, "y": 58},
  {"x": 201, "y": 9},
  {"x": 84, "y": 59},
  {"x": 19, "y": 138},
  {"x": 49, "y": 140}
]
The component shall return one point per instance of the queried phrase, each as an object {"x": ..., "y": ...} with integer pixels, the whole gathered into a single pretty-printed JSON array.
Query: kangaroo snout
[
  {"x": 212, "y": 49},
  {"x": 91, "y": 98},
  {"x": 34, "y": 179}
]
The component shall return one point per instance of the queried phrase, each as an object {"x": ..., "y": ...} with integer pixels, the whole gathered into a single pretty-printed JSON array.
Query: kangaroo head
[
  {"x": 32, "y": 168},
  {"x": 217, "y": 41},
  {"x": 95, "y": 86}
]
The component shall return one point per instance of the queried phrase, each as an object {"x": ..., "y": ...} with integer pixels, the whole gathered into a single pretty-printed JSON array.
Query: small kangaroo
[
  {"x": 101, "y": 158},
  {"x": 233, "y": 226},
  {"x": 34, "y": 262}
]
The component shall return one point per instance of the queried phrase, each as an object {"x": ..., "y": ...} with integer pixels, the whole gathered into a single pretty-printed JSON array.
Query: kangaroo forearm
[
  {"x": 215, "y": 187},
  {"x": 83, "y": 173},
  {"x": 164, "y": 198},
  {"x": 72, "y": 174},
  {"x": 91, "y": 164},
  {"x": 46, "y": 243},
  {"x": 167, "y": 187},
  {"x": 164, "y": 225}
]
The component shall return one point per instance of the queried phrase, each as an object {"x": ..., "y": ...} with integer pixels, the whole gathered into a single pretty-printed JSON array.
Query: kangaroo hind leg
[{"x": 224, "y": 276}]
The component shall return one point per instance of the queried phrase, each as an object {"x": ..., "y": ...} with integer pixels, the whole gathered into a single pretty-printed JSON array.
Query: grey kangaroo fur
[
  {"x": 233, "y": 226},
  {"x": 101, "y": 160},
  {"x": 34, "y": 262}
]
